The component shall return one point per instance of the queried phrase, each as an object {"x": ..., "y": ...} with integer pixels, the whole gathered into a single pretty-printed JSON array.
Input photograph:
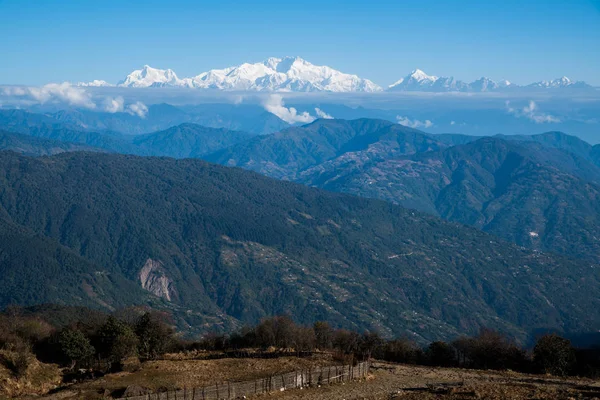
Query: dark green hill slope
[
  {"x": 206, "y": 238},
  {"x": 36, "y": 269},
  {"x": 538, "y": 191},
  {"x": 534, "y": 196},
  {"x": 187, "y": 141},
  {"x": 33, "y": 146},
  {"x": 184, "y": 140},
  {"x": 557, "y": 140},
  {"x": 283, "y": 154}
]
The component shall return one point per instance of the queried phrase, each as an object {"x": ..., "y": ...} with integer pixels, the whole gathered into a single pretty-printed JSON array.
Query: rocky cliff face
[{"x": 154, "y": 279}]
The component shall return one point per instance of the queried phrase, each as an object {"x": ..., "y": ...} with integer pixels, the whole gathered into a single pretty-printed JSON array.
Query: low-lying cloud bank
[
  {"x": 415, "y": 123},
  {"x": 275, "y": 105},
  {"x": 532, "y": 112},
  {"x": 65, "y": 94}
]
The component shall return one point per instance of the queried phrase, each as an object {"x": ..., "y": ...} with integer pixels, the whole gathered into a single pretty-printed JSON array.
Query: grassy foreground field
[{"x": 386, "y": 381}]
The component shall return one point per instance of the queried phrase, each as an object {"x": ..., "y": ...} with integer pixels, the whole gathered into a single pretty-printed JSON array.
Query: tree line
[
  {"x": 111, "y": 340},
  {"x": 489, "y": 349},
  {"x": 84, "y": 344}
]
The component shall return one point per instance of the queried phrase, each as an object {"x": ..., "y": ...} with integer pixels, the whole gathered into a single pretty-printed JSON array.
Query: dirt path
[{"x": 411, "y": 383}]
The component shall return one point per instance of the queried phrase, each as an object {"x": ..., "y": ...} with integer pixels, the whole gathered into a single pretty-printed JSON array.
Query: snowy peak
[
  {"x": 419, "y": 81},
  {"x": 484, "y": 84},
  {"x": 151, "y": 77},
  {"x": 295, "y": 74},
  {"x": 557, "y": 83},
  {"x": 288, "y": 74},
  {"x": 419, "y": 75}
]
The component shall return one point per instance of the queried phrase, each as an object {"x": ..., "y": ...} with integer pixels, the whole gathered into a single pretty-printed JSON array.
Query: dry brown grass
[
  {"x": 402, "y": 382},
  {"x": 178, "y": 372},
  {"x": 386, "y": 382},
  {"x": 37, "y": 378}
]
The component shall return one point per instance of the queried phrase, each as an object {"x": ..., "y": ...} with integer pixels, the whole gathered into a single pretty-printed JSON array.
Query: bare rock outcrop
[{"x": 154, "y": 279}]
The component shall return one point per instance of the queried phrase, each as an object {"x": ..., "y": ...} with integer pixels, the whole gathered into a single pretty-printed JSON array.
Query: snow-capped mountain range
[
  {"x": 419, "y": 81},
  {"x": 289, "y": 74},
  {"x": 293, "y": 74}
]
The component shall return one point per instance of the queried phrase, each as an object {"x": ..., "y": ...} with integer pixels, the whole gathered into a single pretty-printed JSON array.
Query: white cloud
[
  {"x": 414, "y": 123},
  {"x": 14, "y": 91},
  {"x": 452, "y": 122},
  {"x": 138, "y": 108},
  {"x": 61, "y": 92},
  {"x": 275, "y": 105},
  {"x": 53, "y": 93},
  {"x": 531, "y": 112},
  {"x": 238, "y": 99},
  {"x": 65, "y": 93},
  {"x": 114, "y": 105},
  {"x": 322, "y": 114}
]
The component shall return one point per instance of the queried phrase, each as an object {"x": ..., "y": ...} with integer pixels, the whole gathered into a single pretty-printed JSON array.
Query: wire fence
[{"x": 291, "y": 380}]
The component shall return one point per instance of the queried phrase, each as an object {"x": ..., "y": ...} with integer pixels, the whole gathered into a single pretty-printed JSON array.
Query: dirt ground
[
  {"x": 178, "y": 373},
  {"x": 386, "y": 381}
]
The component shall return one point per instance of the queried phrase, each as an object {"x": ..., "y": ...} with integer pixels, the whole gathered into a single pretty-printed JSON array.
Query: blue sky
[{"x": 523, "y": 41}]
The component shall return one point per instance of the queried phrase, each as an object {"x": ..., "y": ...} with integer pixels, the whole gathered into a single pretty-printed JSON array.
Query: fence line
[{"x": 291, "y": 380}]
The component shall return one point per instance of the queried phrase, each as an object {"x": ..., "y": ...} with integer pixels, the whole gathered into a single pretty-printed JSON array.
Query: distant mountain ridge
[
  {"x": 487, "y": 182},
  {"x": 549, "y": 182},
  {"x": 419, "y": 81},
  {"x": 294, "y": 74},
  {"x": 242, "y": 117},
  {"x": 35, "y": 134}
]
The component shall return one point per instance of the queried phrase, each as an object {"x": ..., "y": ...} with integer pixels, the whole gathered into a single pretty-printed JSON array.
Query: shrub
[
  {"x": 441, "y": 354},
  {"x": 491, "y": 350},
  {"x": 323, "y": 335},
  {"x": 554, "y": 355},
  {"x": 16, "y": 361},
  {"x": 402, "y": 351}
]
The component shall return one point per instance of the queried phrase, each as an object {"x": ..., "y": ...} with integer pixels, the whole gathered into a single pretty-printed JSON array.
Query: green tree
[
  {"x": 74, "y": 346},
  {"x": 116, "y": 340},
  {"x": 554, "y": 355},
  {"x": 154, "y": 336}
]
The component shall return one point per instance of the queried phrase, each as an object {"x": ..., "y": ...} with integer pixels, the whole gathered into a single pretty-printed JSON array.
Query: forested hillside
[
  {"x": 218, "y": 241},
  {"x": 538, "y": 191},
  {"x": 41, "y": 134}
]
